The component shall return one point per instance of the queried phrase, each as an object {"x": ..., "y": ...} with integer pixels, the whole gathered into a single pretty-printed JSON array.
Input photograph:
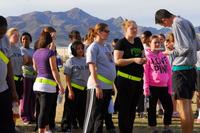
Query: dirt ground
[{"x": 140, "y": 125}]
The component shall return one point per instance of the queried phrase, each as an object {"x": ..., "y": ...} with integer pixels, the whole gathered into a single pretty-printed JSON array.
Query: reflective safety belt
[
  {"x": 104, "y": 79},
  {"x": 4, "y": 57},
  {"x": 78, "y": 86},
  {"x": 28, "y": 72},
  {"x": 17, "y": 78},
  {"x": 125, "y": 75},
  {"x": 46, "y": 81}
]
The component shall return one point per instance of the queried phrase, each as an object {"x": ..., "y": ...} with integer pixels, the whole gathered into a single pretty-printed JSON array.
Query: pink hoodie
[{"x": 157, "y": 72}]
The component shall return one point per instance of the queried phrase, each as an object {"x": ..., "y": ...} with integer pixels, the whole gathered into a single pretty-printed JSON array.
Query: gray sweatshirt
[
  {"x": 198, "y": 53},
  {"x": 185, "y": 42}
]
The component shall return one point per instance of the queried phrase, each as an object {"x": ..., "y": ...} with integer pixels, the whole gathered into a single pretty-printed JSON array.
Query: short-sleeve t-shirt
[
  {"x": 41, "y": 58},
  {"x": 5, "y": 48},
  {"x": 134, "y": 50},
  {"x": 29, "y": 52},
  {"x": 16, "y": 60},
  {"x": 77, "y": 70},
  {"x": 101, "y": 55}
]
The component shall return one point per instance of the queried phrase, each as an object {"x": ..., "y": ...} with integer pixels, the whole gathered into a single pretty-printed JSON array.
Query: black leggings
[
  {"x": 45, "y": 105},
  {"x": 160, "y": 93},
  {"x": 74, "y": 109},
  {"x": 129, "y": 93}
]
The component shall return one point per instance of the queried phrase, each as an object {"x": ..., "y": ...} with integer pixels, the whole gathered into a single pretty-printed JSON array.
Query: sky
[{"x": 142, "y": 11}]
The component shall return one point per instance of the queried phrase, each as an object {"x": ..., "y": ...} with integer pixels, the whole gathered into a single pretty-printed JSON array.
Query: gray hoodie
[
  {"x": 185, "y": 42},
  {"x": 198, "y": 53}
]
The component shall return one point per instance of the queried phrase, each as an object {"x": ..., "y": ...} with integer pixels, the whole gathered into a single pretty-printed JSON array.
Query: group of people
[{"x": 150, "y": 66}]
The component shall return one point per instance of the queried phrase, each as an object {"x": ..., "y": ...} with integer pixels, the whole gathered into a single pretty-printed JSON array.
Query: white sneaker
[{"x": 49, "y": 131}]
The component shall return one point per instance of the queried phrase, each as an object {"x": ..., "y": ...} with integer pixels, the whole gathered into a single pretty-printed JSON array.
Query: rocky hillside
[{"x": 64, "y": 22}]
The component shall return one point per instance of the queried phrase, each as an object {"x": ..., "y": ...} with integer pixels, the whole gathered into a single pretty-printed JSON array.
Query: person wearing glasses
[
  {"x": 158, "y": 84},
  {"x": 128, "y": 56},
  {"x": 100, "y": 83},
  {"x": 184, "y": 73}
]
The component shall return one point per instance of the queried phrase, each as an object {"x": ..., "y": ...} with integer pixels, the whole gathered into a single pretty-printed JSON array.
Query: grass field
[{"x": 140, "y": 125}]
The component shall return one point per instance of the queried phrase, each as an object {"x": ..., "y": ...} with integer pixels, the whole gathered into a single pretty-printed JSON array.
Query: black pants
[
  {"x": 160, "y": 93},
  {"x": 19, "y": 86},
  {"x": 95, "y": 111},
  {"x": 140, "y": 106},
  {"x": 6, "y": 116},
  {"x": 53, "y": 110},
  {"x": 45, "y": 105},
  {"x": 108, "y": 121},
  {"x": 129, "y": 93},
  {"x": 116, "y": 104},
  {"x": 74, "y": 109}
]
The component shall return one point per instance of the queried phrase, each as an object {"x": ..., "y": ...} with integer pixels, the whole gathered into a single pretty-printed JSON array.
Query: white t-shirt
[{"x": 5, "y": 48}]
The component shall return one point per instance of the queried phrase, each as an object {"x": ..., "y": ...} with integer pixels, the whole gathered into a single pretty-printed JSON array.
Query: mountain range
[{"x": 64, "y": 22}]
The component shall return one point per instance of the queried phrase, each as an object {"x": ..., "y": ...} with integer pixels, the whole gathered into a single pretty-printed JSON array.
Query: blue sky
[{"x": 142, "y": 11}]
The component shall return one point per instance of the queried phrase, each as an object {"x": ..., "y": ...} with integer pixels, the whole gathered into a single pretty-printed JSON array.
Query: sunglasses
[
  {"x": 156, "y": 42},
  {"x": 107, "y": 31}
]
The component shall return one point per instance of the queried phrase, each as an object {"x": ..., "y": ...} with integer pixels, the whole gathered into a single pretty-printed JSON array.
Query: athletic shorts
[
  {"x": 198, "y": 80},
  {"x": 184, "y": 83}
]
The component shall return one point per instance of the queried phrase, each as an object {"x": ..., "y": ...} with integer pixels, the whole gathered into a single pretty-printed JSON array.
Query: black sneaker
[
  {"x": 167, "y": 131},
  {"x": 65, "y": 128},
  {"x": 68, "y": 131},
  {"x": 155, "y": 131},
  {"x": 112, "y": 130},
  {"x": 54, "y": 129},
  {"x": 75, "y": 126}
]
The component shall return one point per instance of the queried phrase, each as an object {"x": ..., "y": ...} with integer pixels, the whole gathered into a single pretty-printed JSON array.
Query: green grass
[{"x": 140, "y": 125}]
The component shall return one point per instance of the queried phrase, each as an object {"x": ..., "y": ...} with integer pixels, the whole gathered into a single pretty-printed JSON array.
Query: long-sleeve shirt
[
  {"x": 157, "y": 71},
  {"x": 184, "y": 46}
]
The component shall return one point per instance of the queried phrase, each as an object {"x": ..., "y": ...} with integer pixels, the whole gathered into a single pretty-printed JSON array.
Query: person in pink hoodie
[{"x": 158, "y": 84}]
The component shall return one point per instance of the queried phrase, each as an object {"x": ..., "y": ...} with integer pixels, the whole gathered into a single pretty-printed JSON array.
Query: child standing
[
  {"x": 169, "y": 44},
  {"x": 76, "y": 73},
  {"x": 27, "y": 103},
  {"x": 158, "y": 84}
]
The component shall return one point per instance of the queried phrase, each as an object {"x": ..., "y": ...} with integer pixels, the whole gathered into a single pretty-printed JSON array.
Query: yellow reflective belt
[
  {"x": 46, "y": 81},
  {"x": 29, "y": 72},
  {"x": 17, "y": 78},
  {"x": 78, "y": 86},
  {"x": 125, "y": 75},
  {"x": 104, "y": 79},
  {"x": 4, "y": 57}
]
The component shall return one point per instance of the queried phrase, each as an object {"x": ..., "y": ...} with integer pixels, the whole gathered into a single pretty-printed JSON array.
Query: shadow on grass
[{"x": 140, "y": 126}]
